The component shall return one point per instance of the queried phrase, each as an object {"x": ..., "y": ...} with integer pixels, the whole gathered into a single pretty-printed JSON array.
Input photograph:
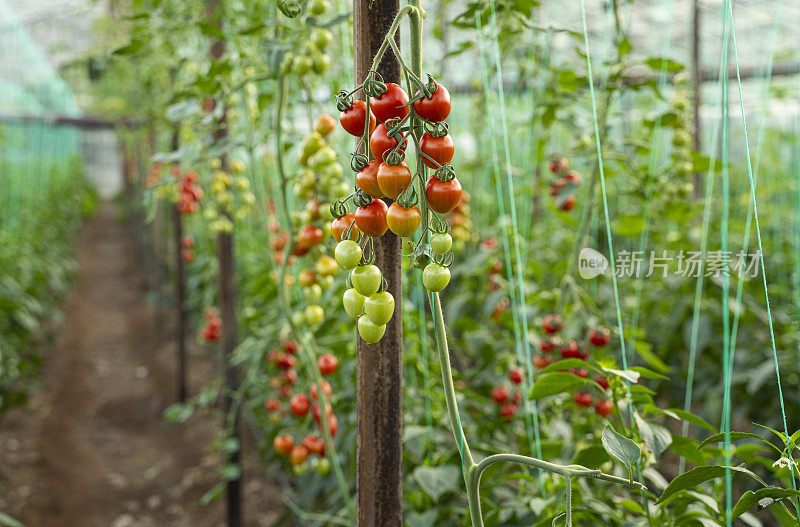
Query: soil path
[{"x": 92, "y": 448}]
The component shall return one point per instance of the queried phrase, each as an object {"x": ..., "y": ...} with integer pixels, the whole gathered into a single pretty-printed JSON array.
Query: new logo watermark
[
  {"x": 637, "y": 264},
  {"x": 591, "y": 263}
]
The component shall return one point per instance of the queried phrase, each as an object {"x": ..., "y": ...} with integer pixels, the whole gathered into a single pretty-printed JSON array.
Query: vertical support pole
[
  {"x": 227, "y": 300},
  {"x": 379, "y": 447},
  {"x": 180, "y": 290},
  {"x": 697, "y": 83}
]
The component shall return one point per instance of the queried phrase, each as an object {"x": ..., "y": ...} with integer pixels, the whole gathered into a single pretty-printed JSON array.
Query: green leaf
[
  {"x": 8, "y": 521},
  {"x": 591, "y": 457},
  {"x": 422, "y": 519},
  {"x": 566, "y": 364},
  {"x": 648, "y": 374},
  {"x": 628, "y": 225},
  {"x": 629, "y": 375},
  {"x": 621, "y": 448},
  {"x": 750, "y": 498},
  {"x": 695, "y": 420},
  {"x": 735, "y": 436},
  {"x": 210, "y": 30},
  {"x": 129, "y": 49},
  {"x": 656, "y": 437},
  {"x": 557, "y": 382},
  {"x": 624, "y": 47},
  {"x": 663, "y": 64},
  {"x": 699, "y": 475},
  {"x": 436, "y": 481}
]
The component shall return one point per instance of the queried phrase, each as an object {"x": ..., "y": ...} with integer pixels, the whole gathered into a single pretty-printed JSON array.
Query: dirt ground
[{"x": 92, "y": 448}]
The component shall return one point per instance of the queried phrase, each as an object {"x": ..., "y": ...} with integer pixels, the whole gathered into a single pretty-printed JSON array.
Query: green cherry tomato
[
  {"x": 435, "y": 277},
  {"x": 366, "y": 279},
  {"x": 441, "y": 242},
  {"x": 321, "y": 465},
  {"x": 300, "y": 469},
  {"x": 313, "y": 315},
  {"x": 347, "y": 254},
  {"x": 379, "y": 308},
  {"x": 370, "y": 332},
  {"x": 312, "y": 293},
  {"x": 353, "y": 302}
]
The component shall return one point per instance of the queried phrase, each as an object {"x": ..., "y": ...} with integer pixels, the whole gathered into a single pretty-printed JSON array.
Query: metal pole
[
  {"x": 697, "y": 81},
  {"x": 379, "y": 447},
  {"x": 227, "y": 299}
]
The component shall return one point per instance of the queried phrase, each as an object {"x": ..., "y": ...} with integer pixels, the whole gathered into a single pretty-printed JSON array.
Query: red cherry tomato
[
  {"x": 600, "y": 337},
  {"x": 552, "y": 324},
  {"x": 443, "y": 196},
  {"x": 515, "y": 375},
  {"x": 272, "y": 405},
  {"x": 300, "y": 404},
  {"x": 441, "y": 149},
  {"x": 283, "y": 444},
  {"x": 547, "y": 345},
  {"x": 403, "y": 222},
  {"x": 393, "y": 179},
  {"x": 326, "y": 388},
  {"x": 298, "y": 455},
  {"x": 568, "y": 203},
  {"x": 327, "y": 363},
  {"x": 380, "y": 142},
  {"x": 371, "y": 220},
  {"x": 603, "y": 408},
  {"x": 436, "y": 108},
  {"x": 390, "y": 104},
  {"x": 540, "y": 361},
  {"x": 353, "y": 118},
  {"x": 367, "y": 181},
  {"x": 314, "y": 444},
  {"x": 582, "y": 399},
  {"x": 571, "y": 351},
  {"x": 339, "y": 225},
  {"x": 507, "y": 411},
  {"x": 309, "y": 237},
  {"x": 500, "y": 394}
]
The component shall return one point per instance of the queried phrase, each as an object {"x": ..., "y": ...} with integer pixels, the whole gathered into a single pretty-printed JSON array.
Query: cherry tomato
[
  {"x": 568, "y": 203},
  {"x": 290, "y": 376},
  {"x": 579, "y": 372},
  {"x": 507, "y": 411},
  {"x": 441, "y": 149},
  {"x": 339, "y": 225},
  {"x": 500, "y": 394},
  {"x": 371, "y": 220},
  {"x": 559, "y": 164},
  {"x": 390, "y": 104},
  {"x": 298, "y": 455},
  {"x": 573, "y": 177},
  {"x": 582, "y": 399},
  {"x": 441, "y": 242},
  {"x": 600, "y": 337},
  {"x": 283, "y": 444},
  {"x": 515, "y": 375},
  {"x": 321, "y": 465},
  {"x": 403, "y": 221},
  {"x": 272, "y": 405},
  {"x": 443, "y": 196},
  {"x": 393, "y": 179},
  {"x": 309, "y": 237},
  {"x": 325, "y": 123},
  {"x": 327, "y": 363},
  {"x": 347, "y": 254},
  {"x": 435, "y": 277},
  {"x": 353, "y": 302},
  {"x": 333, "y": 425},
  {"x": 367, "y": 181},
  {"x": 313, "y": 315},
  {"x": 436, "y": 108},
  {"x": 286, "y": 361},
  {"x": 300, "y": 404},
  {"x": 552, "y": 324},
  {"x": 353, "y": 118},
  {"x": 314, "y": 444},
  {"x": 290, "y": 347},
  {"x": 306, "y": 278},
  {"x": 603, "y": 407},
  {"x": 326, "y": 387},
  {"x": 540, "y": 361},
  {"x": 547, "y": 345},
  {"x": 187, "y": 242},
  {"x": 379, "y": 308},
  {"x": 366, "y": 279},
  {"x": 326, "y": 266},
  {"x": 380, "y": 142},
  {"x": 571, "y": 351},
  {"x": 371, "y": 333},
  {"x": 602, "y": 381}
]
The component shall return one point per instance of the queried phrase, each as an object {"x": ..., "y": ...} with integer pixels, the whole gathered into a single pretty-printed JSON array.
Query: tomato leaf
[
  {"x": 699, "y": 475},
  {"x": 735, "y": 436},
  {"x": 567, "y": 364},
  {"x": 557, "y": 382},
  {"x": 766, "y": 496},
  {"x": 436, "y": 481},
  {"x": 621, "y": 448}
]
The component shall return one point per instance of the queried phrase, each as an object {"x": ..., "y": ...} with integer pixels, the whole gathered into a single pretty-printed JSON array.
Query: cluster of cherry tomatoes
[
  {"x": 187, "y": 248},
  {"x": 507, "y": 406},
  {"x": 232, "y": 197},
  {"x": 299, "y": 406},
  {"x": 190, "y": 193},
  {"x": 383, "y": 124},
  {"x": 213, "y": 328},
  {"x": 598, "y": 337},
  {"x": 563, "y": 188}
]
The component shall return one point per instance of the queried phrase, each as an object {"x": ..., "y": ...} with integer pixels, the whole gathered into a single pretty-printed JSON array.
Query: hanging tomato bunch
[
  {"x": 563, "y": 189},
  {"x": 388, "y": 196},
  {"x": 232, "y": 197},
  {"x": 213, "y": 328}
]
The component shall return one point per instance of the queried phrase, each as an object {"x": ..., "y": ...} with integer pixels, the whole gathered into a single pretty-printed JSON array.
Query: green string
[
  {"x": 609, "y": 236},
  {"x": 760, "y": 248},
  {"x": 531, "y": 415},
  {"x": 520, "y": 265},
  {"x": 726, "y": 344}
]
